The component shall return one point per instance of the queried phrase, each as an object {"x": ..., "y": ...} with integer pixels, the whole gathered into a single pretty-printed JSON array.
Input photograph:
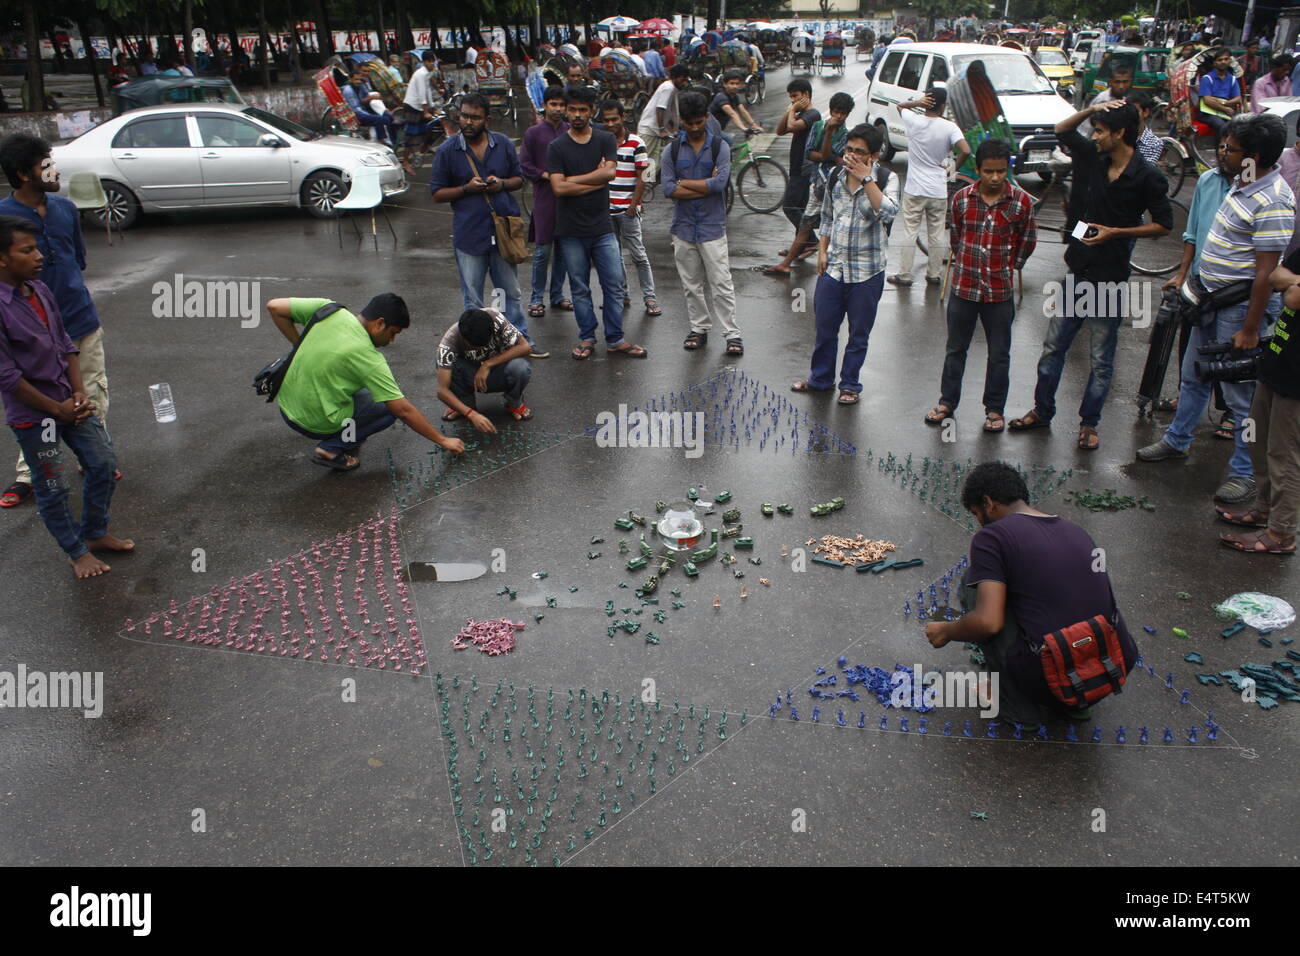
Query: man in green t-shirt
[{"x": 339, "y": 389}]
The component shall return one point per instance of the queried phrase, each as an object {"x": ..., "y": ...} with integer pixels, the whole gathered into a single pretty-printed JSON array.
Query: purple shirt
[
  {"x": 31, "y": 350},
  {"x": 532, "y": 160},
  {"x": 1265, "y": 87}
]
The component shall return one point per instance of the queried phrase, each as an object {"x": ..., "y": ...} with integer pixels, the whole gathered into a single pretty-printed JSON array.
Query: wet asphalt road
[{"x": 287, "y": 770}]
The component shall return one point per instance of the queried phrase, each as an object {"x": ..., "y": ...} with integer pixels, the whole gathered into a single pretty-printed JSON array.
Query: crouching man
[
  {"x": 1030, "y": 574},
  {"x": 484, "y": 353},
  {"x": 339, "y": 390}
]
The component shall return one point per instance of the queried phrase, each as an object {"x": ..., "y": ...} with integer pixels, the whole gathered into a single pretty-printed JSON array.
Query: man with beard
[{"x": 477, "y": 171}]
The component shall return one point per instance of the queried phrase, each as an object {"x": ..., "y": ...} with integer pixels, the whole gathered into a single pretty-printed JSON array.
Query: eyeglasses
[
  {"x": 857, "y": 152},
  {"x": 1230, "y": 149}
]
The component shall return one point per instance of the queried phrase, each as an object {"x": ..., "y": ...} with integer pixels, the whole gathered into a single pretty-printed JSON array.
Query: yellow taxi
[{"x": 1056, "y": 64}]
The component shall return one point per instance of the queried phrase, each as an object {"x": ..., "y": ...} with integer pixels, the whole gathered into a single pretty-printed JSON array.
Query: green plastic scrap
[
  {"x": 979, "y": 815},
  {"x": 1207, "y": 679},
  {"x": 1108, "y": 500},
  {"x": 1182, "y": 595},
  {"x": 646, "y": 550},
  {"x": 722, "y": 497},
  {"x": 1179, "y": 632},
  {"x": 693, "y": 494},
  {"x": 785, "y": 509},
  {"x": 593, "y": 555},
  {"x": 731, "y": 515},
  {"x": 636, "y": 564},
  {"x": 622, "y": 524},
  {"x": 1194, "y": 658}
]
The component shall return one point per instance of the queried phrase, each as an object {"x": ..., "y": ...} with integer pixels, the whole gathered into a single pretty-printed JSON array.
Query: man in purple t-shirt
[{"x": 1030, "y": 574}]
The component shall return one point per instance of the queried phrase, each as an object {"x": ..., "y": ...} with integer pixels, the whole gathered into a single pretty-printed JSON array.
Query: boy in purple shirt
[{"x": 45, "y": 403}]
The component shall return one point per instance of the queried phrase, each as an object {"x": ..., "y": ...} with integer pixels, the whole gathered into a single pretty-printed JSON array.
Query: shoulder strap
[{"x": 324, "y": 312}]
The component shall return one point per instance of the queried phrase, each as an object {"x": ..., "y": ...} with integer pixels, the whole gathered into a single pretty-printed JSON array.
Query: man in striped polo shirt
[
  {"x": 1250, "y": 231},
  {"x": 625, "y": 202}
]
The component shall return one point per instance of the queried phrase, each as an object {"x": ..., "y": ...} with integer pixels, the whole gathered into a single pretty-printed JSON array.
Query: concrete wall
[{"x": 302, "y": 104}]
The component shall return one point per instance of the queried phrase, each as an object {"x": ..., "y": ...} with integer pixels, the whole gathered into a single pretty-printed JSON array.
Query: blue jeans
[
  {"x": 831, "y": 301},
  {"x": 541, "y": 259},
  {"x": 580, "y": 254},
  {"x": 996, "y": 318},
  {"x": 510, "y": 379},
  {"x": 1103, "y": 335},
  {"x": 93, "y": 447},
  {"x": 368, "y": 417},
  {"x": 1194, "y": 395},
  {"x": 474, "y": 270}
]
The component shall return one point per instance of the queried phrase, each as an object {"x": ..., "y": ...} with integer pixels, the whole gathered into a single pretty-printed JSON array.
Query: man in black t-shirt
[
  {"x": 1030, "y": 574},
  {"x": 1275, "y": 452},
  {"x": 797, "y": 120},
  {"x": 580, "y": 163},
  {"x": 727, "y": 106}
]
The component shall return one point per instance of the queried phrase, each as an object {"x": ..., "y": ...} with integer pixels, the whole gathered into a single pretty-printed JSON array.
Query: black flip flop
[{"x": 338, "y": 463}]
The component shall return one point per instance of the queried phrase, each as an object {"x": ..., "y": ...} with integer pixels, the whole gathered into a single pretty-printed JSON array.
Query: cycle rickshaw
[
  {"x": 832, "y": 55},
  {"x": 492, "y": 71},
  {"x": 803, "y": 46},
  {"x": 775, "y": 45},
  {"x": 623, "y": 80}
]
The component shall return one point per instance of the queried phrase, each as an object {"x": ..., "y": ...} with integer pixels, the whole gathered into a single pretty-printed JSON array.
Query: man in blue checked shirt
[{"x": 850, "y": 265}]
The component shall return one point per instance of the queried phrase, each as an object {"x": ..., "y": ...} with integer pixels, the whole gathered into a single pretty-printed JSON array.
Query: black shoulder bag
[{"x": 268, "y": 381}]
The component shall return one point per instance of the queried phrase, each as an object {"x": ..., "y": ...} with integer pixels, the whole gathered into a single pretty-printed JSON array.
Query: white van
[{"x": 1030, "y": 103}]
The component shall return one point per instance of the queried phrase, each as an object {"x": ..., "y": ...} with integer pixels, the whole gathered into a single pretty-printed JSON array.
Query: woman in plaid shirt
[{"x": 992, "y": 235}]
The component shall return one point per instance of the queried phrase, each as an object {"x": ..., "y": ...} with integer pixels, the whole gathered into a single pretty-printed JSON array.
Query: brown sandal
[
  {"x": 938, "y": 415},
  {"x": 584, "y": 350},
  {"x": 1253, "y": 518},
  {"x": 629, "y": 350},
  {"x": 1261, "y": 542},
  {"x": 993, "y": 422},
  {"x": 1031, "y": 419},
  {"x": 1088, "y": 439}
]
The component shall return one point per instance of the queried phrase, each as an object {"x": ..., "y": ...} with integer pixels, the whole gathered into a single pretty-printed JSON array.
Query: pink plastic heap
[{"x": 491, "y": 637}]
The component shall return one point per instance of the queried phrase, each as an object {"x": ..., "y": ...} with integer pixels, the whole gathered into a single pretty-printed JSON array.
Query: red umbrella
[{"x": 656, "y": 25}]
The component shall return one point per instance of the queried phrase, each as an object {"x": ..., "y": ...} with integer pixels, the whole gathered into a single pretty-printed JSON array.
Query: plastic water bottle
[{"x": 164, "y": 409}]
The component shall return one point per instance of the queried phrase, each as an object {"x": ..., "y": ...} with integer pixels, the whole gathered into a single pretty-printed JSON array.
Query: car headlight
[{"x": 379, "y": 159}]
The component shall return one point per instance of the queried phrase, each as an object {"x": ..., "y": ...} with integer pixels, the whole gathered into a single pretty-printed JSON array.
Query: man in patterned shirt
[
  {"x": 483, "y": 352},
  {"x": 1149, "y": 145},
  {"x": 1250, "y": 231},
  {"x": 850, "y": 264},
  {"x": 625, "y": 202},
  {"x": 993, "y": 235}
]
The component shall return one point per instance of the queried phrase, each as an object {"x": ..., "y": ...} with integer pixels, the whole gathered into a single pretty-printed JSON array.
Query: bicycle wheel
[
  {"x": 751, "y": 92},
  {"x": 731, "y": 196},
  {"x": 1160, "y": 257},
  {"x": 1206, "y": 149},
  {"x": 762, "y": 184},
  {"x": 1173, "y": 163}
]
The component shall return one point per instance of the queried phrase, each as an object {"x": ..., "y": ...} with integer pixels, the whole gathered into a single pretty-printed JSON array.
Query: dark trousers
[
  {"x": 510, "y": 379},
  {"x": 93, "y": 448},
  {"x": 795, "y": 199},
  {"x": 996, "y": 317},
  {"x": 832, "y": 301},
  {"x": 1016, "y": 704},
  {"x": 368, "y": 418}
]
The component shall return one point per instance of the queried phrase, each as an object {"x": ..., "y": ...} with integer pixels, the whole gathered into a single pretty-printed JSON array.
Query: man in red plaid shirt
[{"x": 993, "y": 234}]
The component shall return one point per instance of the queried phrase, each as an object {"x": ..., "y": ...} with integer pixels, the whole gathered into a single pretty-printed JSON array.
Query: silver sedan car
[{"x": 219, "y": 155}]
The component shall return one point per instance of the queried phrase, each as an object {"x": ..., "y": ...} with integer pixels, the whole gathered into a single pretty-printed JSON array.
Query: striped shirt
[
  {"x": 632, "y": 156},
  {"x": 855, "y": 251},
  {"x": 1253, "y": 218}
]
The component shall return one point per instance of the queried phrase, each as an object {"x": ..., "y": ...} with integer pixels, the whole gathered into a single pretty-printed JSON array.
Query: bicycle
[
  {"x": 1197, "y": 147},
  {"x": 755, "y": 88},
  {"x": 760, "y": 180}
]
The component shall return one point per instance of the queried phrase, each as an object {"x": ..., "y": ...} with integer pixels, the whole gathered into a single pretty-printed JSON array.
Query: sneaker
[
  {"x": 538, "y": 352},
  {"x": 1238, "y": 489},
  {"x": 899, "y": 280},
  {"x": 1160, "y": 451}
]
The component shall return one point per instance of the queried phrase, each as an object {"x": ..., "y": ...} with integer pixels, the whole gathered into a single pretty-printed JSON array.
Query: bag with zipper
[{"x": 1085, "y": 662}]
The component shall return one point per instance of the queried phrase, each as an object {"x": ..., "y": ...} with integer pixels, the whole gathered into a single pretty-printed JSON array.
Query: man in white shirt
[
  {"x": 659, "y": 120},
  {"x": 931, "y": 140},
  {"x": 424, "y": 107},
  {"x": 1121, "y": 81}
]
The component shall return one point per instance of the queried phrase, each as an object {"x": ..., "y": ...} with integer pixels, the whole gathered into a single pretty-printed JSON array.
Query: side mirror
[{"x": 271, "y": 140}]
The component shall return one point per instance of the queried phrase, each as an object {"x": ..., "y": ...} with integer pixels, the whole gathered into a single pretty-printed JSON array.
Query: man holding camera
[
  {"x": 1276, "y": 449},
  {"x": 1251, "y": 229}
]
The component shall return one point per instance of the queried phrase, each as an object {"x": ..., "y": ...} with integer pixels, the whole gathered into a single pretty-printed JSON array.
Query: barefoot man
[{"x": 45, "y": 404}]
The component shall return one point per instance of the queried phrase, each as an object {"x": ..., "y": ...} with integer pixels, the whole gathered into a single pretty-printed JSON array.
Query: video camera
[{"x": 1234, "y": 365}]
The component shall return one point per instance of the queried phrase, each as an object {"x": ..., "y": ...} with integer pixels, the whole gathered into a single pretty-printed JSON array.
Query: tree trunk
[
  {"x": 266, "y": 44},
  {"x": 324, "y": 37},
  {"x": 187, "y": 34},
  {"x": 295, "y": 53},
  {"x": 382, "y": 47},
  {"x": 405, "y": 39},
  {"x": 90, "y": 61},
  {"x": 35, "y": 78}
]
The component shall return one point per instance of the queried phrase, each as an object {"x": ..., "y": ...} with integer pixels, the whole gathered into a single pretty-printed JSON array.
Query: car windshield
[
  {"x": 288, "y": 127},
  {"x": 1052, "y": 58},
  {"x": 1010, "y": 74}
]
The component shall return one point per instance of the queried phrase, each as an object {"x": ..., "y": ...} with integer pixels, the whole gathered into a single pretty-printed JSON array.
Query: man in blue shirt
[
  {"x": 654, "y": 63},
  {"x": 476, "y": 171},
  {"x": 696, "y": 167},
  {"x": 360, "y": 97},
  {"x": 1219, "y": 93},
  {"x": 30, "y": 169}
]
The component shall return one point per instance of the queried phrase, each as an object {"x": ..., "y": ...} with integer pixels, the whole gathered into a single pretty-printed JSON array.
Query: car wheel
[
  {"x": 122, "y": 209},
  {"x": 887, "y": 151},
  {"x": 321, "y": 191}
]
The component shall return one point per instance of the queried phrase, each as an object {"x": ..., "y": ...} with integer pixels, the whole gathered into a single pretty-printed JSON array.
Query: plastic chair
[
  {"x": 365, "y": 193},
  {"x": 87, "y": 194}
]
